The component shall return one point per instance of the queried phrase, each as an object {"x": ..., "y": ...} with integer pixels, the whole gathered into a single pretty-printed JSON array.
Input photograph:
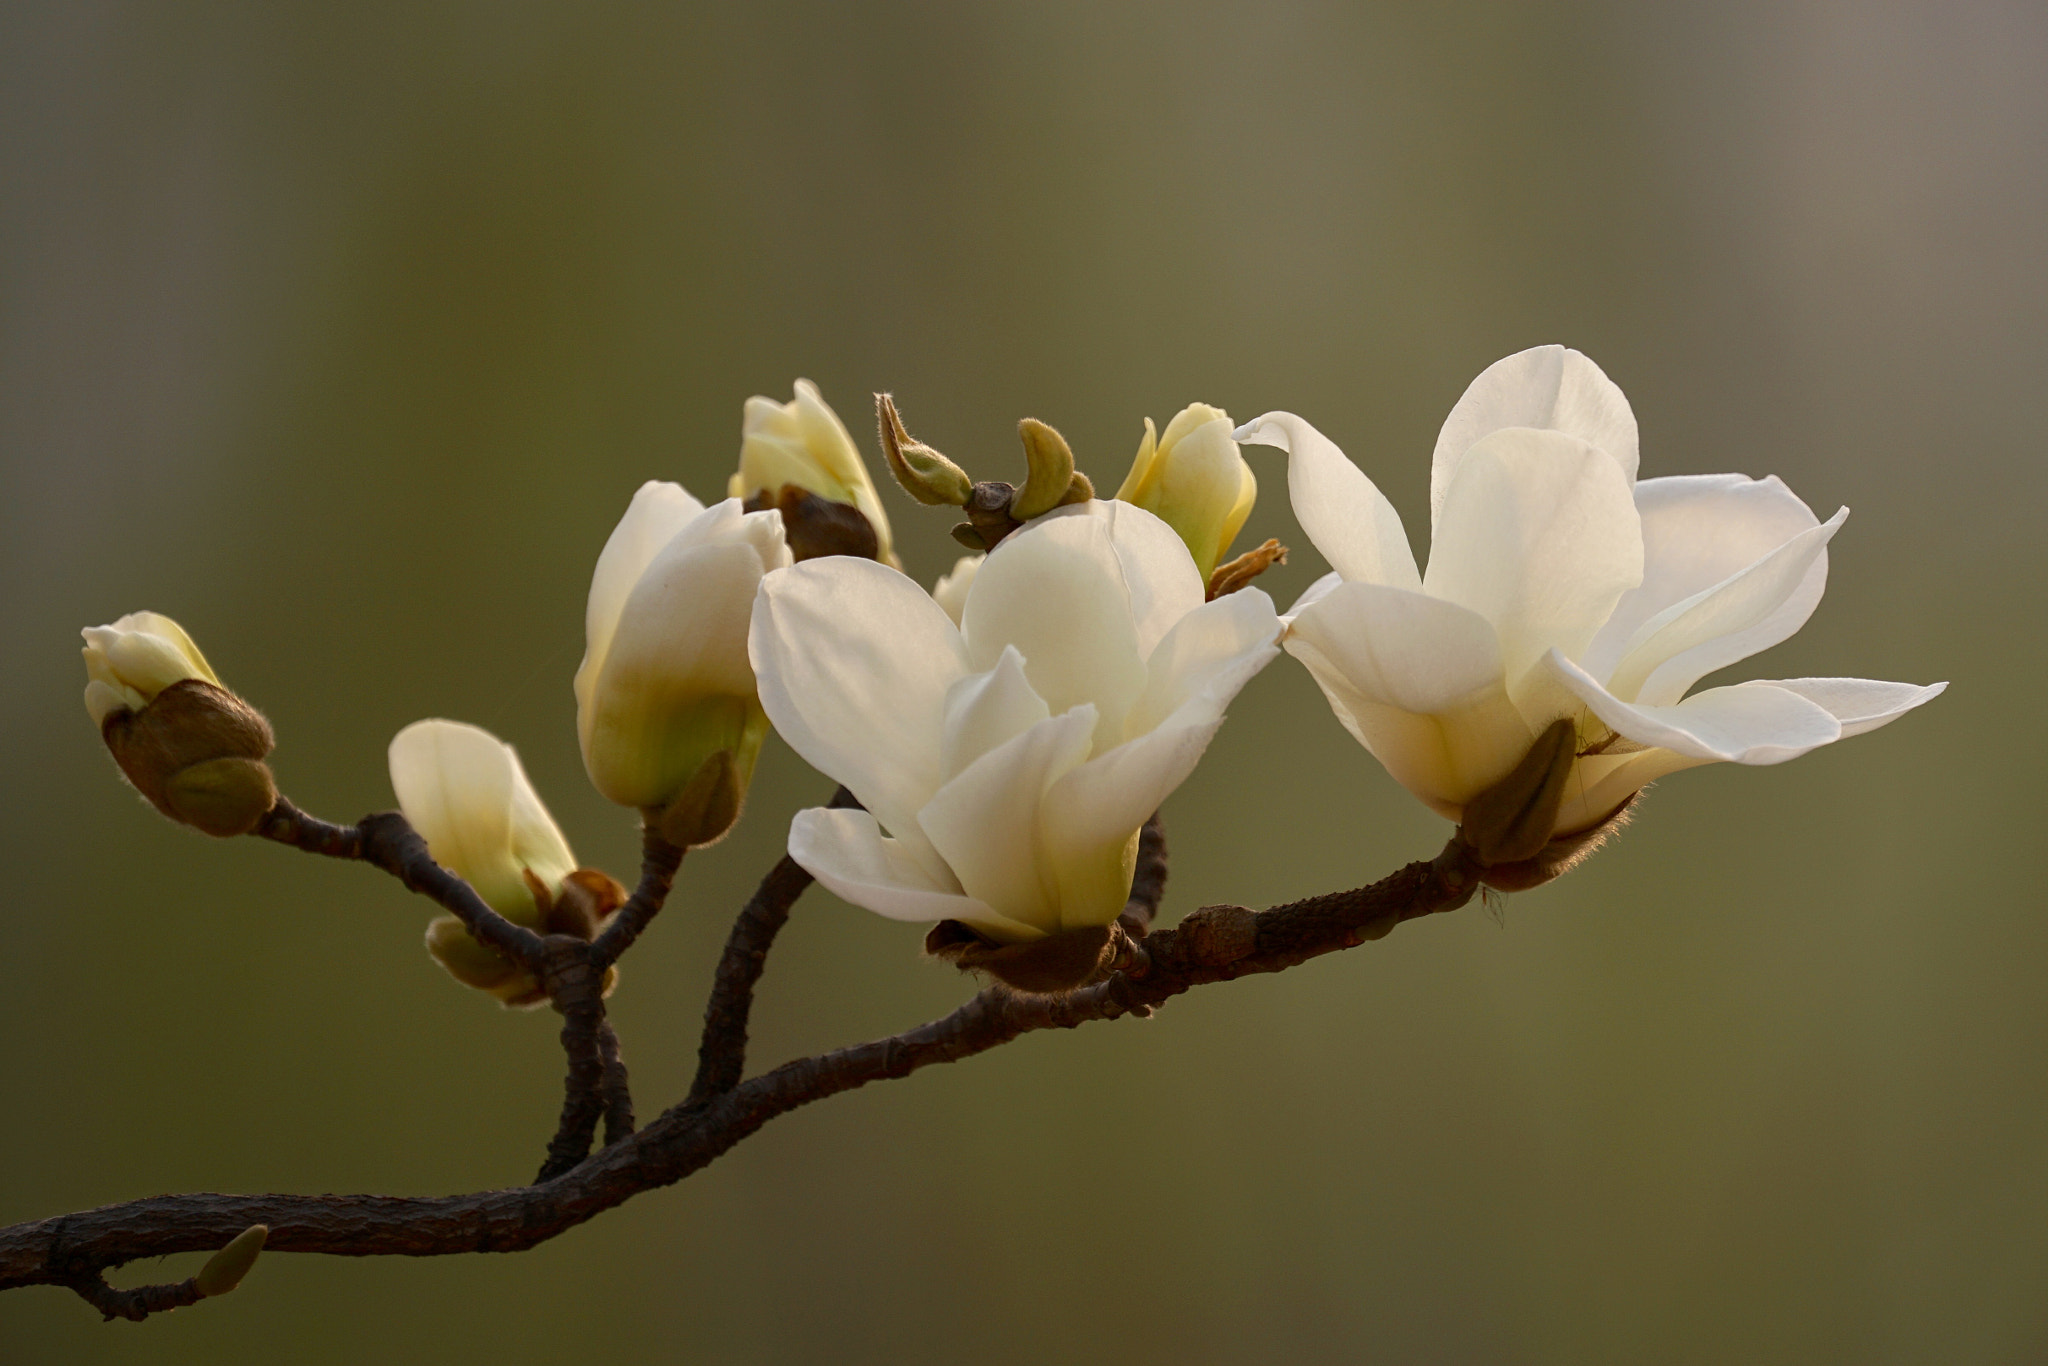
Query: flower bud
[
  {"x": 1194, "y": 480},
  {"x": 1050, "y": 479},
  {"x": 225, "y": 1269},
  {"x": 924, "y": 473},
  {"x": 665, "y": 703},
  {"x": 190, "y": 746},
  {"x": 803, "y": 443},
  {"x": 465, "y": 793},
  {"x": 950, "y": 592}
]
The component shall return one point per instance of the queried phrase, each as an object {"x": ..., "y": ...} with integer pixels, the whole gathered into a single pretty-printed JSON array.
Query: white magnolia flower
[
  {"x": 463, "y": 790},
  {"x": 803, "y": 442},
  {"x": 665, "y": 685},
  {"x": 1006, "y": 764},
  {"x": 1194, "y": 478},
  {"x": 130, "y": 661},
  {"x": 1559, "y": 586},
  {"x": 950, "y": 592}
]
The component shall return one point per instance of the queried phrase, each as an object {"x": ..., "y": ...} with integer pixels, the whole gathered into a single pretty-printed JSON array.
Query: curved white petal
[
  {"x": 1158, "y": 571},
  {"x": 847, "y": 853},
  {"x": 1698, "y": 530},
  {"x": 985, "y": 710},
  {"x": 1313, "y": 594},
  {"x": 1538, "y": 534},
  {"x": 1599, "y": 783},
  {"x": 658, "y": 511},
  {"x": 1345, "y": 515},
  {"x": 681, "y": 638},
  {"x": 1418, "y": 681},
  {"x": 1860, "y": 704},
  {"x": 1205, "y": 659},
  {"x": 464, "y": 791},
  {"x": 853, "y": 661},
  {"x": 950, "y": 592},
  {"x": 1055, "y": 591},
  {"x": 1092, "y": 815},
  {"x": 986, "y": 822},
  {"x": 1748, "y": 723},
  {"x": 1730, "y": 621},
  {"x": 1551, "y": 388}
]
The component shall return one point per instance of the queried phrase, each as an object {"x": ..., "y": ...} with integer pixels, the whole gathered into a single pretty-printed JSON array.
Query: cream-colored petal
[
  {"x": 950, "y": 592},
  {"x": 854, "y": 661},
  {"x": 657, "y": 513},
  {"x": 1346, "y": 517},
  {"x": 1313, "y": 594},
  {"x": 848, "y": 854},
  {"x": 1209, "y": 655},
  {"x": 464, "y": 791},
  {"x": 985, "y": 710},
  {"x": 1539, "y": 535},
  {"x": 1056, "y": 591},
  {"x": 1698, "y": 530},
  {"x": 986, "y": 822},
  {"x": 1602, "y": 782},
  {"x": 1860, "y": 704},
  {"x": 1550, "y": 388},
  {"x": 1726, "y": 623},
  {"x": 1749, "y": 723}
]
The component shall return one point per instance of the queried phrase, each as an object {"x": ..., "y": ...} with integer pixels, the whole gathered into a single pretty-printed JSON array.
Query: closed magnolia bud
[
  {"x": 950, "y": 592},
  {"x": 665, "y": 687},
  {"x": 225, "y": 1269},
  {"x": 465, "y": 793},
  {"x": 193, "y": 748},
  {"x": 803, "y": 443},
  {"x": 1193, "y": 478},
  {"x": 925, "y": 474}
]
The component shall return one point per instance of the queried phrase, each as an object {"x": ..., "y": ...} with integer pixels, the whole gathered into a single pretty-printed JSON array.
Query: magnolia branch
[{"x": 1214, "y": 944}]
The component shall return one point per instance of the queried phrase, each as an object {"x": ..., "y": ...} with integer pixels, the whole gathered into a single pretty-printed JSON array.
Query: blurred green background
[{"x": 344, "y": 333}]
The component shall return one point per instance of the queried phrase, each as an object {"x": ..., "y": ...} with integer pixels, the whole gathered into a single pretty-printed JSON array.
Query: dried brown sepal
[
  {"x": 708, "y": 805},
  {"x": 1235, "y": 574},
  {"x": 988, "y": 514},
  {"x": 1044, "y": 967},
  {"x": 966, "y": 535},
  {"x": 816, "y": 527},
  {"x": 1049, "y": 470},
  {"x": 925, "y": 475},
  {"x": 1512, "y": 820},
  {"x": 196, "y": 752},
  {"x": 588, "y": 900},
  {"x": 1558, "y": 856}
]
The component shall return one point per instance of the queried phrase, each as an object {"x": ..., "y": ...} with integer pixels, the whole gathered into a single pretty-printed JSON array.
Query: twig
[
  {"x": 1148, "y": 880},
  {"x": 1213, "y": 944}
]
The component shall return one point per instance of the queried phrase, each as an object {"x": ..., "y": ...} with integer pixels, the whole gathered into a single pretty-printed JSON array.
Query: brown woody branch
[{"x": 1214, "y": 944}]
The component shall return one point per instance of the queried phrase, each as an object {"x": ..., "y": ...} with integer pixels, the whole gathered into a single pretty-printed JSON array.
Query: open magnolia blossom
[
  {"x": 464, "y": 791},
  {"x": 1559, "y": 586},
  {"x": 803, "y": 442},
  {"x": 1007, "y": 763},
  {"x": 665, "y": 705}
]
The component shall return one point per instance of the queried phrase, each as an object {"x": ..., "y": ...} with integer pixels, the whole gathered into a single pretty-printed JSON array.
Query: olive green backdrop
[{"x": 344, "y": 333}]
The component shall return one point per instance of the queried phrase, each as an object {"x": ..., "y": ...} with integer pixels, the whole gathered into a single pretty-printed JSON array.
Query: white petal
[
  {"x": 1860, "y": 704},
  {"x": 1313, "y": 594},
  {"x": 1349, "y": 520},
  {"x": 1058, "y": 592},
  {"x": 1092, "y": 817},
  {"x": 1698, "y": 530},
  {"x": 1158, "y": 571},
  {"x": 1749, "y": 723},
  {"x": 847, "y": 853},
  {"x": 464, "y": 791},
  {"x": 148, "y": 662},
  {"x": 1728, "y": 622},
  {"x": 853, "y": 661},
  {"x": 658, "y": 511},
  {"x": 1205, "y": 659},
  {"x": 950, "y": 592},
  {"x": 986, "y": 710},
  {"x": 1539, "y": 535},
  {"x": 985, "y": 823},
  {"x": 1418, "y": 682},
  {"x": 1552, "y": 388},
  {"x": 1601, "y": 782},
  {"x": 681, "y": 638}
]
